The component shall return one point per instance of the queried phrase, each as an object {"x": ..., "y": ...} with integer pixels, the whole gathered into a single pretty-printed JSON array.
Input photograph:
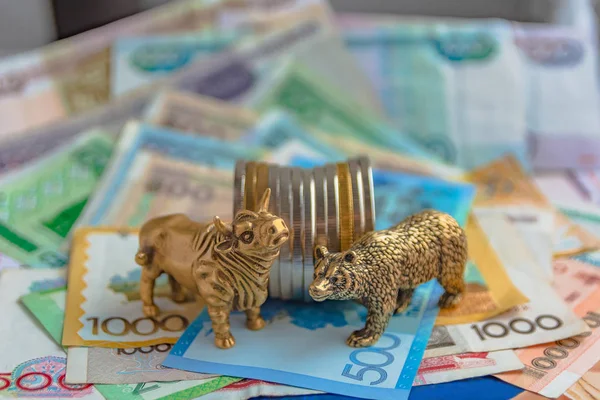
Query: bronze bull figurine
[{"x": 227, "y": 265}]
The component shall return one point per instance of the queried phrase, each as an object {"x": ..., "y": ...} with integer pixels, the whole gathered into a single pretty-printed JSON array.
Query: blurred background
[{"x": 28, "y": 24}]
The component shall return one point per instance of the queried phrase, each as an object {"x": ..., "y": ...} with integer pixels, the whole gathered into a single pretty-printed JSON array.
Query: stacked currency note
[{"x": 332, "y": 205}]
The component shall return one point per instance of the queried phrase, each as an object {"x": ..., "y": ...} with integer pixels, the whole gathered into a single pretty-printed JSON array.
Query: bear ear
[
  {"x": 321, "y": 252},
  {"x": 350, "y": 257}
]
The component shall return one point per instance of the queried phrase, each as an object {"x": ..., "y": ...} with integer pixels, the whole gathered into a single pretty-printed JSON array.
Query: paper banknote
[
  {"x": 572, "y": 238},
  {"x": 157, "y": 185},
  {"x": 196, "y": 113},
  {"x": 586, "y": 388},
  {"x": 545, "y": 318},
  {"x": 42, "y": 201},
  {"x": 139, "y": 61},
  {"x": 104, "y": 308},
  {"x": 560, "y": 187},
  {"x": 32, "y": 364},
  {"x": 589, "y": 181},
  {"x": 102, "y": 365},
  {"x": 300, "y": 91},
  {"x": 240, "y": 69},
  {"x": 250, "y": 388},
  {"x": 463, "y": 366},
  {"x": 205, "y": 150},
  {"x": 561, "y": 120},
  {"x": 73, "y": 75},
  {"x": 505, "y": 188},
  {"x": 434, "y": 82},
  {"x": 333, "y": 149},
  {"x": 554, "y": 61},
  {"x": 325, "y": 55},
  {"x": 585, "y": 215},
  {"x": 322, "y": 360},
  {"x": 8, "y": 262},
  {"x": 551, "y": 368},
  {"x": 200, "y": 115}
]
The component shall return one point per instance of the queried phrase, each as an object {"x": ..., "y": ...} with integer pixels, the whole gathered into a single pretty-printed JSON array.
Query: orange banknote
[{"x": 552, "y": 368}]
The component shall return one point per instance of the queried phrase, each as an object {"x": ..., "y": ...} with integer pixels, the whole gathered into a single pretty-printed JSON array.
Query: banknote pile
[{"x": 354, "y": 122}]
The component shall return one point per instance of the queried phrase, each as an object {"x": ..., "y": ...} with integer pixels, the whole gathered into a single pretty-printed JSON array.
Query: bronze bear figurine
[
  {"x": 227, "y": 265},
  {"x": 382, "y": 269}
]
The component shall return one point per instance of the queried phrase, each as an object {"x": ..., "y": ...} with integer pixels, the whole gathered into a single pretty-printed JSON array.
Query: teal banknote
[
  {"x": 138, "y": 61},
  {"x": 458, "y": 89}
]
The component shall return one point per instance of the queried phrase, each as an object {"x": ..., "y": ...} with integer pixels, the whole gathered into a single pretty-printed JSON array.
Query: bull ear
[
  {"x": 321, "y": 252},
  {"x": 222, "y": 227},
  {"x": 263, "y": 205}
]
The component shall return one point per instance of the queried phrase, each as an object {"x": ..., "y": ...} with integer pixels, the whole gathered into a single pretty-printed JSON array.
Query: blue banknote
[
  {"x": 304, "y": 345},
  {"x": 398, "y": 195}
]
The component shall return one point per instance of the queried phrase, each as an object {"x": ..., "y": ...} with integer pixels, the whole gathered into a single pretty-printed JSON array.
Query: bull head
[{"x": 256, "y": 233}]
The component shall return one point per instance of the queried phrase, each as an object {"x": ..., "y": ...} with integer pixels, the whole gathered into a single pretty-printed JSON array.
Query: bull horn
[
  {"x": 264, "y": 201},
  {"x": 222, "y": 227}
]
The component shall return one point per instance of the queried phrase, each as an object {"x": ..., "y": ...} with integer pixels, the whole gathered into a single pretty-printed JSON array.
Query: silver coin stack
[{"x": 331, "y": 205}]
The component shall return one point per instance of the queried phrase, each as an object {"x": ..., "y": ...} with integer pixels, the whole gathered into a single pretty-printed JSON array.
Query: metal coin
[
  {"x": 309, "y": 231},
  {"x": 369, "y": 198},
  {"x": 345, "y": 206},
  {"x": 332, "y": 195},
  {"x": 357, "y": 199},
  {"x": 239, "y": 185},
  {"x": 320, "y": 207},
  {"x": 262, "y": 182},
  {"x": 274, "y": 287},
  {"x": 286, "y": 252},
  {"x": 250, "y": 185},
  {"x": 297, "y": 234}
]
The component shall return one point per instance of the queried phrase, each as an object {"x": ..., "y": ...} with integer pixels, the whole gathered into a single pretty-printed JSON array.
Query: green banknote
[
  {"x": 300, "y": 91},
  {"x": 40, "y": 203},
  {"x": 48, "y": 308}
]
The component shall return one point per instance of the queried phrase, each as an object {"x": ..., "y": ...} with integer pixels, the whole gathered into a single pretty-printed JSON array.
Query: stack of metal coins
[{"x": 332, "y": 205}]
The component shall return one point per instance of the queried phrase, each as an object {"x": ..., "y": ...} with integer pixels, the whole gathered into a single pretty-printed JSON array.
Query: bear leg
[
  {"x": 454, "y": 288},
  {"x": 403, "y": 300}
]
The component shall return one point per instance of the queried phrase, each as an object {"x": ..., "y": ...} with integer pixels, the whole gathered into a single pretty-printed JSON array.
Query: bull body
[{"x": 226, "y": 265}]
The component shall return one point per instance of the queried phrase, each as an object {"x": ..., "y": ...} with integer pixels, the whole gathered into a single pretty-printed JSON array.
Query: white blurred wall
[{"x": 25, "y": 24}]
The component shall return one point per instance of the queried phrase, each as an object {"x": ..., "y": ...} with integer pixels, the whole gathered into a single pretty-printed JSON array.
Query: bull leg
[
  {"x": 219, "y": 317},
  {"x": 379, "y": 312},
  {"x": 147, "y": 291},
  {"x": 177, "y": 293},
  {"x": 254, "y": 321}
]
